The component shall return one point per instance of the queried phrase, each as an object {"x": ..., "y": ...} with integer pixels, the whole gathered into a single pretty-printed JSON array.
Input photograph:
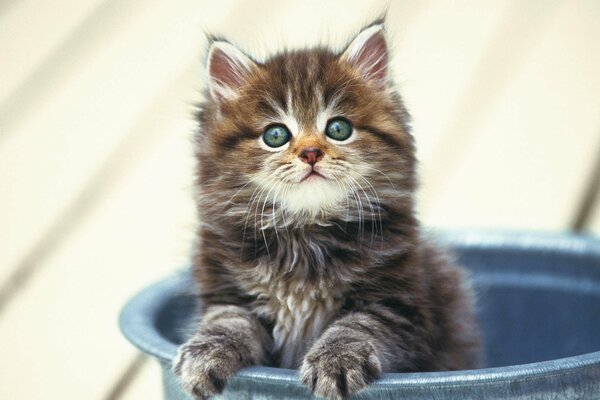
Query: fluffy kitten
[{"x": 309, "y": 253}]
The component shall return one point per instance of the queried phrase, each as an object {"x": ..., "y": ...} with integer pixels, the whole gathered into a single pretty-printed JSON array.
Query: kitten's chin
[{"x": 314, "y": 197}]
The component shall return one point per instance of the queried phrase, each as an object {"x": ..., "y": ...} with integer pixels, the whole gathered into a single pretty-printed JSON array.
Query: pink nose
[{"x": 311, "y": 155}]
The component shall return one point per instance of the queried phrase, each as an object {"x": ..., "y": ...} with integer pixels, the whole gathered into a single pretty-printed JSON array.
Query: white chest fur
[
  {"x": 300, "y": 315},
  {"x": 300, "y": 308}
]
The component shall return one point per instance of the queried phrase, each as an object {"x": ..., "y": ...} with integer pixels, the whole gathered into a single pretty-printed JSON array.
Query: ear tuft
[
  {"x": 228, "y": 70},
  {"x": 368, "y": 53}
]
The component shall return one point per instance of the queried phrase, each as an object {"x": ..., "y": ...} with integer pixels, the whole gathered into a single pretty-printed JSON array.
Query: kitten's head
[{"x": 307, "y": 136}]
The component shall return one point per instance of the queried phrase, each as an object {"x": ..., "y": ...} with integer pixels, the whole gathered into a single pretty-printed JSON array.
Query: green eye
[
  {"x": 276, "y": 136},
  {"x": 338, "y": 129}
]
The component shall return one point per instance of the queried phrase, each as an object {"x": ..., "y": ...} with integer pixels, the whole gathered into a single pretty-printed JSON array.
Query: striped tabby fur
[{"x": 327, "y": 273}]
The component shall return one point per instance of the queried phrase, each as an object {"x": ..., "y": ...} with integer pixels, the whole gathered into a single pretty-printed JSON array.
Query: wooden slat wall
[
  {"x": 47, "y": 158},
  {"x": 518, "y": 154},
  {"x": 593, "y": 225},
  {"x": 147, "y": 385},
  {"x": 110, "y": 144},
  {"x": 95, "y": 165},
  {"x": 33, "y": 32},
  {"x": 67, "y": 311}
]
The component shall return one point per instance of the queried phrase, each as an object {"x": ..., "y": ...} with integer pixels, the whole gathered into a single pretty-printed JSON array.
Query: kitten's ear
[
  {"x": 228, "y": 70},
  {"x": 368, "y": 53}
]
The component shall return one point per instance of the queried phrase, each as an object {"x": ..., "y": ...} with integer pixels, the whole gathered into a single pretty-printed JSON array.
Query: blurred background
[{"x": 96, "y": 98}]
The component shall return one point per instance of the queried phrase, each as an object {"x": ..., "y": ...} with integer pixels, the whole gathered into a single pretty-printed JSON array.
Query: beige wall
[{"x": 95, "y": 97}]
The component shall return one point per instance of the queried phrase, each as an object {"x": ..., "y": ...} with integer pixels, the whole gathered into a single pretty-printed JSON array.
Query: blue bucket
[{"x": 538, "y": 307}]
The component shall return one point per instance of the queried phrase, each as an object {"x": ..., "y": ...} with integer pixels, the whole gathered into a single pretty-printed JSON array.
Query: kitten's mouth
[{"x": 312, "y": 176}]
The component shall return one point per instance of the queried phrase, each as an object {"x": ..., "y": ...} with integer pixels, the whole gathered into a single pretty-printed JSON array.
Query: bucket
[{"x": 538, "y": 305}]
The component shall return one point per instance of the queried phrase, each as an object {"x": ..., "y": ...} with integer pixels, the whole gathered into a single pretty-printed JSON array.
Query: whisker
[
  {"x": 272, "y": 185},
  {"x": 360, "y": 208},
  {"x": 378, "y": 203},
  {"x": 250, "y": 202},
  {"x": 382, "y": 173},
  {"x": 343, "y": 188},
  {"x": 274, "y": 221},
  {"x": 236, "y": 193},
  {"x": 373, "y": 226},
  {"x": 256, "y": 217}
]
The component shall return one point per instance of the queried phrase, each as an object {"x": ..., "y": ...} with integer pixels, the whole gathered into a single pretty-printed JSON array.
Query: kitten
[{"x": 310, "y": 255}]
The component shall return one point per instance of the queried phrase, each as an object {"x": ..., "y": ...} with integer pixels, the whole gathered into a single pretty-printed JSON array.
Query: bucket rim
[{"x": 138, "y": 318}]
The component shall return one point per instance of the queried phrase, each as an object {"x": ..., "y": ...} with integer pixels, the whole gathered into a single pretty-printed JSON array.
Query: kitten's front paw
[
  {"x": 204, "y": 364},
  {"x": 338, "y": 370}
]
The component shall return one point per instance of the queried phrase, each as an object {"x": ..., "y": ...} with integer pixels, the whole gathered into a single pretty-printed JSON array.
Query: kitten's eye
[
  {"x": 338, "y": 129},
  {"x": 276, "y": 136}
]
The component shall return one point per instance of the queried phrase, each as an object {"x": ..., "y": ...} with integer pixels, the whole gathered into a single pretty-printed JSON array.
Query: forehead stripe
[{"x": 386, "y": 137}]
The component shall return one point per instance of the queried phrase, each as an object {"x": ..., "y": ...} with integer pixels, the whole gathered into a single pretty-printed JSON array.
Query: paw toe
[{"x": 338, "y": 376}]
